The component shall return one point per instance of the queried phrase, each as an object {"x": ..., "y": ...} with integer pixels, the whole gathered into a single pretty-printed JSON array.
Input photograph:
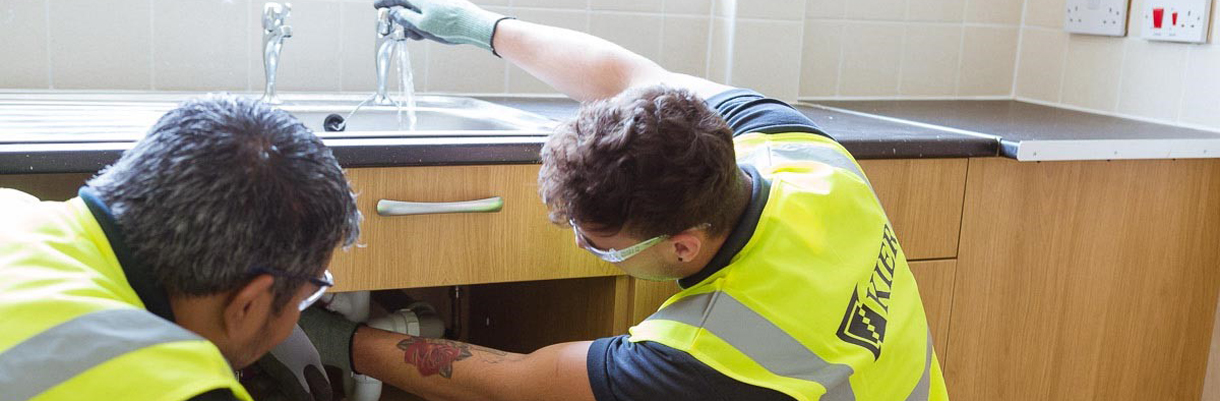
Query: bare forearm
[
  {"x": 454, "y": 371},
  {"x": 582, "y": 66}
]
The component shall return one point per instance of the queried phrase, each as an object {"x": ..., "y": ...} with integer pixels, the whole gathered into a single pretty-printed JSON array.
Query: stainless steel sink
[{"x": 91, "y": 117}]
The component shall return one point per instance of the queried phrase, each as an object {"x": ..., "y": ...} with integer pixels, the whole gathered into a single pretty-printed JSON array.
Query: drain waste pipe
[{"x": 417, "y": 319}]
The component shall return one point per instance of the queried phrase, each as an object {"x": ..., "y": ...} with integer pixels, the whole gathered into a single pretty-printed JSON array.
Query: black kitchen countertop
[{"x": 1026, "y": 125}]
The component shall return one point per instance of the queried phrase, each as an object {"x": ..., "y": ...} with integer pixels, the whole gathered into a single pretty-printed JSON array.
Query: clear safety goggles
[
  {"x": 613, "y": 255},
  {"x": 323, "y": 283}
]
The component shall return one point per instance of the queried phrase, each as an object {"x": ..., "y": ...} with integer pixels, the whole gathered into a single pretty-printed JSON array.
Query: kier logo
[{"x": 864, "y": 322}]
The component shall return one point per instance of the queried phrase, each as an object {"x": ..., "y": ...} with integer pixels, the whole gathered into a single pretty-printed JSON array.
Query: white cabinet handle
[{"x": 387, "y": 207}]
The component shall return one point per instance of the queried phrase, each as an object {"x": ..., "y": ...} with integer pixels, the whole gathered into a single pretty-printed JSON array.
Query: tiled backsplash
[
  {"x": 786, "y": 48},
  {"x": 1132, "y": 77},
  {"x": 909, "y": 48},
  {"x": 791, "y": 49}
]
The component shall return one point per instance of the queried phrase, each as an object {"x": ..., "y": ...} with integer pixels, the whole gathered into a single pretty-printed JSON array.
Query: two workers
[{"x": 197, "y": 251}]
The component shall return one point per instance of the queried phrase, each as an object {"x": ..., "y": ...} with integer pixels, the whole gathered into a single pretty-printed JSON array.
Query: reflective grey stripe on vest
[
  {"x": 779, "y": 152},
  {"x": 760, "y": 340},
  {"x": 60, "y": 353},
  {"x": 921, "y": 389}
]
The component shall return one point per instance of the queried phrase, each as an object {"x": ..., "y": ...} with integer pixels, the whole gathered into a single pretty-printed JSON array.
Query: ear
[
  {"x": 687, "y": 245},
  {"x": 249, "y": 309}
]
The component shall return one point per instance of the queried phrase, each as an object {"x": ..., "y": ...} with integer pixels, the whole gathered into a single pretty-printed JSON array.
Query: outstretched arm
[
  {"x": 580, "y": 65},
  {"x": 449, "y": 370},
  {"x": 586, "y": 67}
]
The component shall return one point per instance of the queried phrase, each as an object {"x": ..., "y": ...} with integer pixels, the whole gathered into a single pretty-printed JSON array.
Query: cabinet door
[
  {"x": 517, "y": 243},
  {"x": 935, "y": 280},
  {"x": 1085, "y": 280},
  {"x": 923, "y": 198}
]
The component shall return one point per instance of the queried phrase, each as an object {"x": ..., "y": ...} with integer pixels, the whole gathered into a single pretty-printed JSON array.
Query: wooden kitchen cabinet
[
  {"x": 935, "y": 279},
  {"x": 1085, "y": 280},
  {"x": 923, "y": 199},
  {"x": 516, "y": 244}
]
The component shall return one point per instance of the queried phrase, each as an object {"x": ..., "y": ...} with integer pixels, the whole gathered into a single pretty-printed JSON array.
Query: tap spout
[
  {"x": 389, "y": 33},
  {"x": 275, "y": 30}
]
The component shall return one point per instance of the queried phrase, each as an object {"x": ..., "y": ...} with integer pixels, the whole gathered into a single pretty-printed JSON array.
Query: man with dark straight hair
[
  {"x": 190, "y": 257},
  {"x": 794, "y": 285}
]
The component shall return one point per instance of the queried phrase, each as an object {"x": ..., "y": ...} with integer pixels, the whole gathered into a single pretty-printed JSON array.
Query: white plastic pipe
[{"x": 418, "y": 319}]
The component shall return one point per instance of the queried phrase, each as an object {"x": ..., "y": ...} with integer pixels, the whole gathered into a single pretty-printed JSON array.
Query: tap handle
[
  {"x": 274, "y": 15},
  {"x": 386, "y": 26}
]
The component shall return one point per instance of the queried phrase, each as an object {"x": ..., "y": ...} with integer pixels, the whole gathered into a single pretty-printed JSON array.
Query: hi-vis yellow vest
[
  {"x": 820, "y": 303},
  {"x": 72, "y": 328}
]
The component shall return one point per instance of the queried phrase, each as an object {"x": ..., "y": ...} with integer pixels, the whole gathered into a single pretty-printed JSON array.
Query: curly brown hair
[{"x": 650, "y": 161}]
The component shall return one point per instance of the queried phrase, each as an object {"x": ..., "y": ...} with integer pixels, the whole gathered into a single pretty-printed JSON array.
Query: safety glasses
[
  {"x": 323, "y": 283},
  {"x": 613, "y": 255}
]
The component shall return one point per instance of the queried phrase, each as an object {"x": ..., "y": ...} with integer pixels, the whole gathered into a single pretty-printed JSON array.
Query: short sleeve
[
  {"x": 620, "y": 370},
  {"x": 747, "y": 111}
]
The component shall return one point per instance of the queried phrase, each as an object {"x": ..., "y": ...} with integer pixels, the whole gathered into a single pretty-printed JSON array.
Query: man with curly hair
[{"x": 794, "y": 285}]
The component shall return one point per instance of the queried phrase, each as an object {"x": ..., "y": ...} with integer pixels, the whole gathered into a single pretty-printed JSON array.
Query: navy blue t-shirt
[{"x": 620, "y": 370}]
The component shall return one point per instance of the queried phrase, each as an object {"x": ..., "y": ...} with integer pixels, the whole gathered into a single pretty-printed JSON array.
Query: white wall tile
[
  {"x": 311, "y": 59},
  {"x": 520, "y": 81},
  {"x": 201, "y": 45},
  {"x": 825, "y": 8},
  {"x": 1045, "y": 13},
  {"x": 569, "y": 4},
  {"x": 1201, "y": 99},
  {"x": 1041, "y": 64},
  {"x": 647, "y": 6},
  {"x": 1152, "y": 79},
  {"x": 771, "y": 9},
  {"x": 685, "y": 44},
  {"x": 930, "y": 60},
  {"x": 638, "y": 33},
  {"x": 871, "y": 56},
  {"x": 994, "y": 11},
  {"x": 821, "y": 55},
  {"x": 1091, "y": 78},
  {"x": 936, "y": 10},
  {"x": 724, "y": 8},
  {"x": 885, "y": 10},
  {"x": 767, "y": 57},
  {"x": 464, "y": 69},
  {"x": 988, "y": 59},
  {"x": 698, "y": 7},
  {"x": 108, "y": 47},
  {"x": 23, "y": 25},
  {"x": 722, "y": 47}
]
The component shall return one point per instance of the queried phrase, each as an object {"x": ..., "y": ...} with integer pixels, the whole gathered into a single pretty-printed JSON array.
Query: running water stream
[{"x": 405, "y": 99}]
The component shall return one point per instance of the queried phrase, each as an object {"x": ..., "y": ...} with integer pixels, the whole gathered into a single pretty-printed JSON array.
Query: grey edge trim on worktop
[
  {"x": 1033, "y": 132},
  {"x": 376, "y": 152},
  {"x": 866, "y": 137}
]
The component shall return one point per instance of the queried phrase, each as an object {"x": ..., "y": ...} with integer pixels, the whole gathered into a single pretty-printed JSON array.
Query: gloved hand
[
  {"x": 331, "y": 334},
  {"x": 445, "y": 21},
  {"x": 292, "y": 371}
]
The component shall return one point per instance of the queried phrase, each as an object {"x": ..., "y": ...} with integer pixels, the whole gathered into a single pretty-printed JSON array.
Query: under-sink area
[{"x": 47, "y": 118}]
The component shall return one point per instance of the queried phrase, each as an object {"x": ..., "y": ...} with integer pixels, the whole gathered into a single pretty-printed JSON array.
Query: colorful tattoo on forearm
[{"x": 432, "y": 356}]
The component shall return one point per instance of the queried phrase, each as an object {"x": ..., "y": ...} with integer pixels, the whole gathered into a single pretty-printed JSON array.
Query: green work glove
[
  {"x": 331, "y": 334},
  {"x": 446, "y": 21}
]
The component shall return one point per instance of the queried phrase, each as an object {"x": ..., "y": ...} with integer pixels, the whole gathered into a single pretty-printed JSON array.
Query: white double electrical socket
[
  {"x": 1097, "y": 17},
  {"x": 1176, "y": 20}
]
